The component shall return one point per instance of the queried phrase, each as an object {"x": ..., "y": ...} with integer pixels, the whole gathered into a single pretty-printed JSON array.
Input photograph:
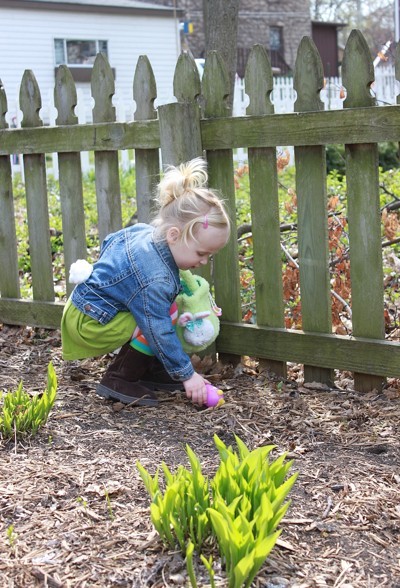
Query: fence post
[
  {"x": 187, "y": 89},
  {"x": 187, "y": 85},
  {"x": 362, "y": 175},
  {"x": 70, "y": 173},
  {"x": 180, "y": 132},
  {"x": 106, "y": 162},
  {"x": 180, "y": 135},
  {"x": 147, "y": 161},
  {"x": 215, "y": 88},
  {"x": 36, "y": 196},
  {"x": 265, "y": 206},
  {"x": 397, "y": 70},
  {"x": 9, "y": 280},
  {"x": 312, "y": 209}
]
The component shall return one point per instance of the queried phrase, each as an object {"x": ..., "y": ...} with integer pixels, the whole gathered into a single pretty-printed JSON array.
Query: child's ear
[{"x": 173, "y": 235}]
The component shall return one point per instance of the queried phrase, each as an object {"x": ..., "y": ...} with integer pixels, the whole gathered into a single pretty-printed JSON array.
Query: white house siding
[{"x": 27, "y": 42}]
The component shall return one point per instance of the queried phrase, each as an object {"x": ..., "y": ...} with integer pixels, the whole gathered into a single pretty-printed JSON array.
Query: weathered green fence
[{"x": 199, "y": 121}]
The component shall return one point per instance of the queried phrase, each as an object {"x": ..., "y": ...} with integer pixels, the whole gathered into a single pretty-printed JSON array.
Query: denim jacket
[{"x": 135, "y": 273}]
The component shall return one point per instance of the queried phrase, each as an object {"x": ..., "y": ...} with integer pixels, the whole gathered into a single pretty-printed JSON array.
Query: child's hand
[{"x": 195, "y": 389}]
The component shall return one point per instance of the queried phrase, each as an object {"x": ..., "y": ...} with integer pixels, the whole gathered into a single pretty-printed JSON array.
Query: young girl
[{"x": 134, "y": 284}]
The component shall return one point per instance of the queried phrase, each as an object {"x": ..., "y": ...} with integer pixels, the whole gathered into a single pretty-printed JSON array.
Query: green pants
[{"x": 84, "y": 337}]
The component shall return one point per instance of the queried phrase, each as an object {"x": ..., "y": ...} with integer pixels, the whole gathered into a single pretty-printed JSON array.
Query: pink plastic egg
[{"x": 215, "y": 397}]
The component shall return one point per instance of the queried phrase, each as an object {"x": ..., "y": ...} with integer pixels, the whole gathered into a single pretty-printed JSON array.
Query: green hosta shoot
[
  {"x": 22, "y": 413},
  {"x": 208, "y": 563},
  {"x": 250, "y": 474},
  {"x": 241, "y": 507},
  {"x": 11, "y": 536},
  {"x": 189, "y": 564},
  {"x": 242, "y": 548},
  {"x": 190, "y": 569},
  {"x": 248, "y": 504},
  {"x": 181, "y": 512}
]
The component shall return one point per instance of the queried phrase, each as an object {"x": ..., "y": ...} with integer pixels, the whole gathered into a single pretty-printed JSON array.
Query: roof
[
  {"x": 109, "y": 6},
  {"x": 327, "y": 23}
]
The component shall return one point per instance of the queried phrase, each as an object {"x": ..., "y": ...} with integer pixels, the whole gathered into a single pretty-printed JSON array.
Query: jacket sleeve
[{"x": 151, "y": 309}]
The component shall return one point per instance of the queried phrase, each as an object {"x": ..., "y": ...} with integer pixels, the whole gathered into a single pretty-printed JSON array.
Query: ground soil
[{"x": 74, "y": 511}]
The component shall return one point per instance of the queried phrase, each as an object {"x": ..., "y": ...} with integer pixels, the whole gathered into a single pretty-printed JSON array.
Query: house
[
  {"x": 279, "y": 26},
  {"x": 41, "y": 34}
]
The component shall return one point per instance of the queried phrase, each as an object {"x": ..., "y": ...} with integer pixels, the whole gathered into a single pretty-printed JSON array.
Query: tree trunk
[{"x": 220, "y": 28}]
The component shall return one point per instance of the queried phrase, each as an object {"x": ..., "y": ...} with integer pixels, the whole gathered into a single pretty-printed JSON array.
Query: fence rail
[
  {"x": 283, "y": 98},
  {"x": 184, "y": 129}
]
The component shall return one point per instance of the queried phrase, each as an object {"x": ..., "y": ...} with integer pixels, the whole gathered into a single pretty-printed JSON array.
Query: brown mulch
[{"x": 74, "y": 512}]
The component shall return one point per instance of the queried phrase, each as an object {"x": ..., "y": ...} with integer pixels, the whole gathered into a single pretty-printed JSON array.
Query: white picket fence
[{"x": 385, "y": 89}]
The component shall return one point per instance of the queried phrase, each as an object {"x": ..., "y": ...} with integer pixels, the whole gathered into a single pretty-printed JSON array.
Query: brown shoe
[
  {"x": 121, "y": 380},
  {"x": 156, "y": 377},
  {"x": 114, "y": 388}
]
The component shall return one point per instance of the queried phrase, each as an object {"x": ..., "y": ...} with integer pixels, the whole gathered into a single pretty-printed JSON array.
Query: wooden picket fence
[
  {"x": 283, "y": 98},
  {"x": 199, "y": 122}
]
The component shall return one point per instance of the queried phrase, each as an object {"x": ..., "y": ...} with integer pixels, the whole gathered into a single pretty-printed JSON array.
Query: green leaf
[
  {"x": 243, "y": 525},
  {"x": 274, "y": 522},
  {"x": 240, "y": 544},
  {"x": 283, "y": 491},
  {"x": 51, "y": 381},
  {"x": 178, "y": 530},
  {"x": 253, "y": 462},
  {"x": 241, "y": 571},
  {"x": 226, "y": 454},
  {"x": 245, "y": 506},
  {"x": 193, "y": 459},
  {"x": 155, "y": 516},
  {"x": 170, "y": 496},
  {"x": 222, "y": 529},
  {"x": 220, "y": 445},
  {"x": 208, "y": 564},
  {"x": 279, "y": 469},
  {"x": 228, "y": 511},
  {"x": 150, "y": 483},
  {"x": 260, "y": 554},
  {"x": 189, "y": 564},
  {"x": 203, "y": 528},
  {"x": 243, "y": 450},
  {"x": 169, "y": 477}
]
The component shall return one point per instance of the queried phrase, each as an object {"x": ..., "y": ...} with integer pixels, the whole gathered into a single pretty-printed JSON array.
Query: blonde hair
[{"x": 185, "y": 201}]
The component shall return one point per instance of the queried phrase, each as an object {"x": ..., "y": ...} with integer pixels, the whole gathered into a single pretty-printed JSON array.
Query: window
[
  {"x": 276, "y": 39},
  {"x": 78, "y": 53}
]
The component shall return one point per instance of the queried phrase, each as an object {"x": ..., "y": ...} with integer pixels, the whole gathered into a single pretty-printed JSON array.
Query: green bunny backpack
[{"x": 198, "y": 322}]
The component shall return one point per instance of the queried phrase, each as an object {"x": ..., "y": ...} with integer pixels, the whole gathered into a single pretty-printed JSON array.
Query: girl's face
[{"x": 196, "y": 253}]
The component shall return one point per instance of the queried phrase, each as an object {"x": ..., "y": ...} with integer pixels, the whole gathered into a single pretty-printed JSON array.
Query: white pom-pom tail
[{"x": 80, "y": 271}]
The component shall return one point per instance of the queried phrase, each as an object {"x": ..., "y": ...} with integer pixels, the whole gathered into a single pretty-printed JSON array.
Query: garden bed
[{"x": 75, "y": 513}]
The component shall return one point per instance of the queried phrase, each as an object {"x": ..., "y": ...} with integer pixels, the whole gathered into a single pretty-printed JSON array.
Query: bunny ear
[
  {"x": 185, "y": 318},
  {"x": 201, "y": 315}
]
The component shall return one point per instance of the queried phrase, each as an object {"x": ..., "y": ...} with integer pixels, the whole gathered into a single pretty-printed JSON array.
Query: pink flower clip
[{"x": 205, "y": 222}]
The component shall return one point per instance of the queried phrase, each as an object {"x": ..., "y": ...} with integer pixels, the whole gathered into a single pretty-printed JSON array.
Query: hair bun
[{"x": 178, "y": 180}]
